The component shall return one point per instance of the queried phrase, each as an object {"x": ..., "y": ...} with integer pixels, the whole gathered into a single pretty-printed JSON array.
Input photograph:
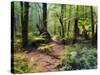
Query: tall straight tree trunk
[
  {"x": 95, "y": 36},
  {"x": 76, "y": 29},
  {"x": 25, "y": 26},
  {"x": 92, "y": 24},
  {"x": 64, "y": 16},
  {"x": 12, "y": 36},
  {"x": 24, "y": 21},
  {"x": 62, "y": 23},
  {"x": 44, "y": 28},
  {"x": 70, "y": 10},
  {"x": 12, "y": 26},
  {"x": 45, "y": 16},
  {"x": 84, "y": 31}
]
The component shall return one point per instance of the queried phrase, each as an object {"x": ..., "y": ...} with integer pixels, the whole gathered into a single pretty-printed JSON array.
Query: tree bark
[
  {"x": 24, "y": 21},
  {"x": 61, "y": 20},
  {"x": 92, "y": 24},
  {"x": 44, "y": 28},
  {"x": 45, "y": 16},
  {"x": 69, "y": 23},
  {"x": 12, "y": 26},
  {"x": 12, "y": 36},
  {"x": 76, "y": 29}
]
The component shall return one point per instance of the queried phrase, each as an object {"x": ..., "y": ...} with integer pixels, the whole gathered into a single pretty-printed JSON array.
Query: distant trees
[
  {"x": 24, "y": 22},
  {"x": 70, "y": 22},
  {"x": 84, "y": 30}
]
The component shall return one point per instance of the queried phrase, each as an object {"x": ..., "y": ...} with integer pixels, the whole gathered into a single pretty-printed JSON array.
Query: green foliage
[
  {"x": 44, "y": 48},
  {"x": 35, "y": 37},
  {"x": 22, "y": 64},
  {"x": 17, "y": 41},
  {"x": 79, "y": 58},
  {"x": 31, "y": 36}
]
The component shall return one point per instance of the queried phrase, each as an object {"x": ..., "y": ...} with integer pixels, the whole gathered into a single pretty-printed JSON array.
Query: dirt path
[{"x": 47, "y": 62}]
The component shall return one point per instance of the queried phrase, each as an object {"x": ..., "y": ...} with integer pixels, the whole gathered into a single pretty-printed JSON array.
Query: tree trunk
[
  {"x": 45, "y": 16},
  {"x": 54, "y": 30},
  {"x": 44, "y": 28},
  {"x": 12, "y": 26},
  {"x": 76, "y": 29},
  {"x": 59, "y": 30},
  {"x": 61, "y": 20},
  {"x": 95, "y": 36},
  {"x": 92, "y": 24},
  {"x": 84, "y": 31},
  {"x": 69, "y": 23},
  {"x": 12, "y": 35},
  {"x": 24, "y": 21}
]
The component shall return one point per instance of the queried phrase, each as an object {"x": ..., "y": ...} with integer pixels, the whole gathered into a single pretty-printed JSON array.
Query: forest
[{"x": 47, "y": 37}]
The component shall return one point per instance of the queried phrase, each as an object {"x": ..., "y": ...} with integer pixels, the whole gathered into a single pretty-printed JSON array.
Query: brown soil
[{"x": 47, "y": 62}]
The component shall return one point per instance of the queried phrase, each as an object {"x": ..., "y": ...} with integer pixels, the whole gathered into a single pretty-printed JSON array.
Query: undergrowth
[
  {"x": 24, "y": 64},
  {"x": 77, "y": 57}
]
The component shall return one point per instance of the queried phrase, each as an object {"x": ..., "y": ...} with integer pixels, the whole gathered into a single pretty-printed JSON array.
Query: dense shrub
[{"x": 79, "y": 57}]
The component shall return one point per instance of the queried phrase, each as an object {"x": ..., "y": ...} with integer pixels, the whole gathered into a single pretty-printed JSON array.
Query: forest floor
[
  {"x": 34, "y": 60},
  {"x": 48, "y": 62}
]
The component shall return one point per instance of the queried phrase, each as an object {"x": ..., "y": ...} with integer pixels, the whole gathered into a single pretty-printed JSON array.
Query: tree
[
  {"x": 44, "y": 16},
  {"x": 12, "y": 26},
  {"x": 24, "y": 22},
  {"x": 84, "y": 31},
  {"x": 62, "y": 23},
  {"x": 70, "y": 10},
  {"x": 61, "y": 20},
  {"x": 12, "y": 35},
  {"x": 43, "y": 29},
  {"x": 92, "y": 24},
  {"x": 95, "y": 36},
  {"x": 76, "y": 29}
]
